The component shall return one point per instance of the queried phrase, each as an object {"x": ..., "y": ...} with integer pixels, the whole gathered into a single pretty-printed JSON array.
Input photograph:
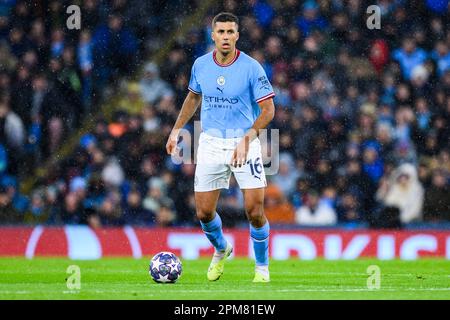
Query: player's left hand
[{"x": 240, "y": 153}]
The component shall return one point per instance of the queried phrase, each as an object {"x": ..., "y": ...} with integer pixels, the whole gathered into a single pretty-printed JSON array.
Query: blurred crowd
[
  {"x": 52, "y": 78},
  {"x": 363, "y": 114}
]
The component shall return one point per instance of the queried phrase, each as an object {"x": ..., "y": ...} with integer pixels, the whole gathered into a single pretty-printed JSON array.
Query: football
[{"x": 165, "y": 267}]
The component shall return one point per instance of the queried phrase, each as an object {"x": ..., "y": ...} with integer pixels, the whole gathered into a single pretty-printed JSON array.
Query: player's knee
[
  {"x": 255, "y": 212},
  {"x": 205, "y": 215}
]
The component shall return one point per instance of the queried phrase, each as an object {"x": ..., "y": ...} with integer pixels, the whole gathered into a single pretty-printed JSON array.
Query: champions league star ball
[{"x": 165, "y": 267}]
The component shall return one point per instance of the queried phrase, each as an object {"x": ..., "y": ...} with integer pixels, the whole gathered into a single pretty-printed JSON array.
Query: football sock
[
  {"x": 213, "y": 231},
  {"x": 260, "y": 239}
]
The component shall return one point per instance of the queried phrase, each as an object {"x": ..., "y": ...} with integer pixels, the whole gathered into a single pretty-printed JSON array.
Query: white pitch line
[
  {"x": 299, "y": 276},
  {"x": 247, "y": 291},
  {"x": 314, "y": 290}
]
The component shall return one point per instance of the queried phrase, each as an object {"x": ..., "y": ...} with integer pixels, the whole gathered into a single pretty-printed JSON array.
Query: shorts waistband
[{"x": 210, "y": 137}]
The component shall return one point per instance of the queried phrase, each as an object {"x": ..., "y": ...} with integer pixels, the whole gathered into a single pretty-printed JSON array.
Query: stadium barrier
[{"x": 82, "y": 242}]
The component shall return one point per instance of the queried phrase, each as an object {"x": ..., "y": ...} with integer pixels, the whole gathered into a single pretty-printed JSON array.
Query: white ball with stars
[{"x": 165, "y": 267}]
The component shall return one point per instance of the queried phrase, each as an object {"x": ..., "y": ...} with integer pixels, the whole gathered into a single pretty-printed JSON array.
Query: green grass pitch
[{"x": 127, "y": 278}]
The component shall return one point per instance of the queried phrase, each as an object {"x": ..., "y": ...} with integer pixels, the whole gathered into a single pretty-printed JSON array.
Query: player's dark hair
[{"x": 225, "y": 17}]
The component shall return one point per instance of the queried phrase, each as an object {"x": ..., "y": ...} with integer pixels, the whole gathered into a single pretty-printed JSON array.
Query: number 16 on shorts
[{"x": 256, "y": 167}]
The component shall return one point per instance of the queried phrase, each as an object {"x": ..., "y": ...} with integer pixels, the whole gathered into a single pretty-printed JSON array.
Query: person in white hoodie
[
  {"x": 315, "y": 212},
  {"x": 404, "y": 191},
  {"x": 152, "y": 86},
  {"x": 14, "y": 130}
]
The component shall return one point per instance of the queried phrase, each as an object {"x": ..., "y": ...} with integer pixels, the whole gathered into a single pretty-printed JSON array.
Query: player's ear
[{"x": 237, "y": 36}]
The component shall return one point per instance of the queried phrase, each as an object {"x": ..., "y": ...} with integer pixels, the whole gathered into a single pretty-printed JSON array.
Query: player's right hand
[
  {"x": 171, "y": 145},
  {"x": 239, "y": 157}
]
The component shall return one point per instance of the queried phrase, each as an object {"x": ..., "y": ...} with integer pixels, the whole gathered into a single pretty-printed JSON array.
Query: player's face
[{"x": 225, "y": 35}]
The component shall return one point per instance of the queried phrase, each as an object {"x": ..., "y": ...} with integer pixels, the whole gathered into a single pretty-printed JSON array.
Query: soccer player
[{"x": 236, "y": 102}]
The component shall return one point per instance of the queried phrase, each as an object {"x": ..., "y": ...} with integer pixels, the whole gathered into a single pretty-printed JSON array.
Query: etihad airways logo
[{"x": 214, "y": 99}]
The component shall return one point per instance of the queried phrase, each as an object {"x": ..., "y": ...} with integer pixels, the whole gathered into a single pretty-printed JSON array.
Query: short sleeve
[
  {"x": 261, "y": 87},
  {"x": 194, "y": 86}
]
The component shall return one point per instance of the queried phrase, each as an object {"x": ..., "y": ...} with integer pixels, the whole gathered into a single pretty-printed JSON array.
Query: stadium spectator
[
  {"x": 156, "y": 198},
  {"x": 8, "y": 214},
  {"x": 166, "y": 216},
  {"x": 151, "y": 121},
  {"x": 310, "y": 18},
  {"x": 72, "y": 211},
  {"x": 38, "y": 212},
  {"x": 301, "y": 188},
  {"x": 110, "y": 212},
  {"x": 21, "y": 93},
  {"x": 287, "y": 175},
  {"x": 134, "y": 212},
  {"x": 437, "y": 198},
  {"x": 12, "y": 131},
  {"x": 112, "y": 173},
  {"x": 372, "y": 162},
  {"x": 132, "y": 103},
  {"x": 379, "y": 55},
  {"x": 8, "y": 60},
  {"x": 409, "y": 56},
  {"x": 276, "y": 207},
  {"x": 441, "y": 55},
  {"x": 12, "y": 136},
  {"x": 403, "y": 190},
  {"x": 315, "y": 212},
  {"x": 91, "y": 14},
  {"x": 114, "y": 50},
  {"x": 152, "y": 87},
  {"x": 360, "y": 186},
  {"x": 86, "y": 64},
  {"x": 349, "y": 208}
]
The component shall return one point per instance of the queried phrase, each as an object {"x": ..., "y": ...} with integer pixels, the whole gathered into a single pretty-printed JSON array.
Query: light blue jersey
[{"x": 230, "y": 93}]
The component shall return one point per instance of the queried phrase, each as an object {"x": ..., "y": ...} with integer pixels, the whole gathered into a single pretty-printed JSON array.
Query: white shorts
[{"x": 213, "y": 169}]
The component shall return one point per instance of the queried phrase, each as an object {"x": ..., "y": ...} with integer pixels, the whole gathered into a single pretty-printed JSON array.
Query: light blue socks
[
  {"x": 260, "y": 239},
  {"x": 213, "y": 231}
]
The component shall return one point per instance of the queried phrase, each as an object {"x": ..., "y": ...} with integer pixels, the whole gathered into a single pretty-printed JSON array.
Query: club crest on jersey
[{"x": 221, "y": 80}]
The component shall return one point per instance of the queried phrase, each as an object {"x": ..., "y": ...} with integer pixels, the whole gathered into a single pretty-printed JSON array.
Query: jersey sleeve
[
  {"x": 194, "y": 86},
  {"x": 261, "y": 87}
]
